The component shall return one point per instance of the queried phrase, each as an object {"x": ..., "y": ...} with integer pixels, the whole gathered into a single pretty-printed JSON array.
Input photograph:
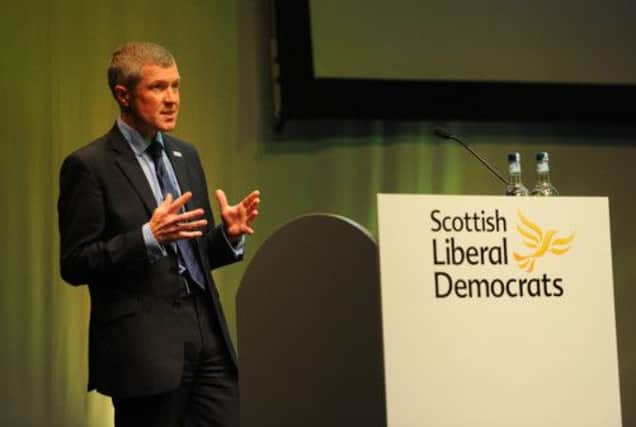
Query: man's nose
[{"x": 171, "y": 96}]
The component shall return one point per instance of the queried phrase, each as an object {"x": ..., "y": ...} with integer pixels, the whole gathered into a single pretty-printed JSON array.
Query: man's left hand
[{"x": 238, "y": 218}]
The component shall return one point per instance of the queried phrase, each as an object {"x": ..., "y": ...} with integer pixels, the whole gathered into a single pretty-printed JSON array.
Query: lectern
[
  {"x": 309, "y": 328},
  {"x": 498, "y": 311},
  {"x": 492, "y": 312}
]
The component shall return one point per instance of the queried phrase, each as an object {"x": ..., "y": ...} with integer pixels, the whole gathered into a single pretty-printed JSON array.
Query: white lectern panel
[{"x": 498, "y": 311}]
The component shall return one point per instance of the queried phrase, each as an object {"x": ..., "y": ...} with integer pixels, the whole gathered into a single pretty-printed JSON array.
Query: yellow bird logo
[{"x": 540, "y": 242}]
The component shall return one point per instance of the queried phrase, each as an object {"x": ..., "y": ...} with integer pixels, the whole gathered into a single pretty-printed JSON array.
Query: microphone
[{"x": 446, "y": 134}]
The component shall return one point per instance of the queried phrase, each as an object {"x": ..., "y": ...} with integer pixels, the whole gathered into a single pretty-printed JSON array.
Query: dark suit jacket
[{"x": 136, "y": 335}]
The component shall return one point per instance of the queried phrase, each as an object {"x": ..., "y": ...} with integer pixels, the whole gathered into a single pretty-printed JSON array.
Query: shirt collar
[{"x": 138, "y": 143}]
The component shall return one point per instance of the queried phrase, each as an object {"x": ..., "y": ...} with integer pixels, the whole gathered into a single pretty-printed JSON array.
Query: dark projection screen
[
  {"x": 455, "y": 59},
  {"x": 544, "y": 41}
]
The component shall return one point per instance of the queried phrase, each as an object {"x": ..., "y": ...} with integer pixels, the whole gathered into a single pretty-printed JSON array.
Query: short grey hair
[{"x": 125, "y": 66}]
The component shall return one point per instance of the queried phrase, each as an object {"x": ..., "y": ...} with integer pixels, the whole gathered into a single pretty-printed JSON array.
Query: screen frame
[{"x": 301, "y": 95}]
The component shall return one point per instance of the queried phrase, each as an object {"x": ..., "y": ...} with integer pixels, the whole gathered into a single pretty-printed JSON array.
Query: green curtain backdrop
[{"x": 54, "y": 99}]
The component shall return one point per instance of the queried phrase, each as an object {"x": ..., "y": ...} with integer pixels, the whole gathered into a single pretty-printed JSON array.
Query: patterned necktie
[{"x": 186, "y": 253}]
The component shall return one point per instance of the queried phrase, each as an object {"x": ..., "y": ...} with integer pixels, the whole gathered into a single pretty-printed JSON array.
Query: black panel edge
[{"x": 305, "y": 97}]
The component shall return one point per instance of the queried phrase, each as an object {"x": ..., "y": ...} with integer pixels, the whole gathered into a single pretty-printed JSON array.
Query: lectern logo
[{"x": 540, "y": 243}]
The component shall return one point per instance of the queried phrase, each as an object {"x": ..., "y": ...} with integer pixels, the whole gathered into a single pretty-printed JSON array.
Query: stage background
[{"x": 54, "y": 99}]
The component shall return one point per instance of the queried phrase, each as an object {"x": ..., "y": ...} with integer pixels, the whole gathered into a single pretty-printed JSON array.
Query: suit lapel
[
  {"x": 127, "y": 162},
  {"x": 179, "y": 166}
]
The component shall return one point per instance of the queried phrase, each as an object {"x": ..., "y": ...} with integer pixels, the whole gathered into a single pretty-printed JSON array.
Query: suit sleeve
[
  {"x": 220, "y": 251},
  {"x": 85, "y": 255}
]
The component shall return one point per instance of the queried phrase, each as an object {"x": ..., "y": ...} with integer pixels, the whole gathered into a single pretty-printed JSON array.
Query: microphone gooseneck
[{"x": 446, "y": 134}]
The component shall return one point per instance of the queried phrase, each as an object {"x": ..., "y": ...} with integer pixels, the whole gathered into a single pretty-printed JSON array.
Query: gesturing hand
[
  {"x": 237, "y": 218},
  {"x": 168, "y": 224}
]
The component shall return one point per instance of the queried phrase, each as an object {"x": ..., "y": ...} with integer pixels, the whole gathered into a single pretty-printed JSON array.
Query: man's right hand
[{"x": 169, "y": 224}]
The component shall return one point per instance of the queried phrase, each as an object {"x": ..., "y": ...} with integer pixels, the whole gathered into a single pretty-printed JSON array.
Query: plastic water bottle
[
  {"x": 544, "y": 187},
  {"x": 516, "y": 187}
]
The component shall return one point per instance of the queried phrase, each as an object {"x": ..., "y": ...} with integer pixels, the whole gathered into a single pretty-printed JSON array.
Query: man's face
[{"x": 154, "y": 102}]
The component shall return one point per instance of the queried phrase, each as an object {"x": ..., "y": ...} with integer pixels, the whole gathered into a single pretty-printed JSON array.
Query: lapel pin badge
[{"x": 177, "y": 153}]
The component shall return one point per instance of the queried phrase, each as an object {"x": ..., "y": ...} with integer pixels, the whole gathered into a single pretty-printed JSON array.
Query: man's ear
[{"x": 122, "y": 94}]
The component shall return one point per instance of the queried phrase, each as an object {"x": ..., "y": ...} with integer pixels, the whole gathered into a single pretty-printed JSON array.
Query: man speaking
[{"x": 136, "y": 226}]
